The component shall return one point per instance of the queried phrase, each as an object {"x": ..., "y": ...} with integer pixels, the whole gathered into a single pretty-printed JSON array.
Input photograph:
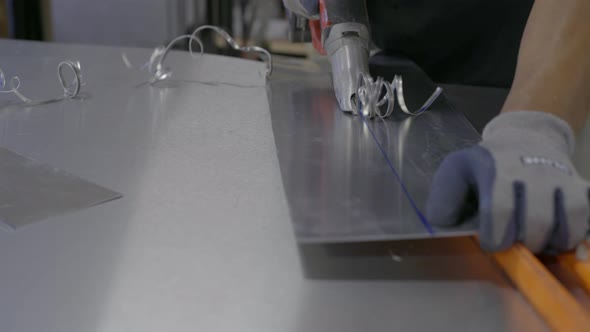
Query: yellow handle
[{"x": 553, "y": 302}]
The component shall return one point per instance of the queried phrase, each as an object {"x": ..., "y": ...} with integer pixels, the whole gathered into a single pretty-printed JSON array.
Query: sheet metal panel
[
  {"x": 338, "y": 183},
  {"x": 202, "y": 239}
]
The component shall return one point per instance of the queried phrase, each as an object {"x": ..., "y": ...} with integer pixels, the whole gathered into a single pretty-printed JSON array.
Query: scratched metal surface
[
  {"x": 338, "y": 184},
  {"x": 202, "y": 239}
]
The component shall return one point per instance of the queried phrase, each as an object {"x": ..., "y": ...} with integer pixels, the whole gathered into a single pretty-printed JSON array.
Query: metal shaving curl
[
  {"x": 70, "y": 90},
  {"x": 155, "y": 65},
  {"x": 373, "y": 94}
]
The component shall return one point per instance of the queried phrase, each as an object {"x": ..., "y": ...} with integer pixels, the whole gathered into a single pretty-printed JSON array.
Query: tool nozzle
[{"x": 347, "y": 45}]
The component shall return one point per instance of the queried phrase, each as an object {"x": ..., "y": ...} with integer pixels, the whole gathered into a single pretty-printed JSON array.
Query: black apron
[{"x": 472, "y": 42}]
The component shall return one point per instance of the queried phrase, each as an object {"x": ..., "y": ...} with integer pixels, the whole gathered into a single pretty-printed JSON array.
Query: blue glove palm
[{"x": 524, "y": 185}]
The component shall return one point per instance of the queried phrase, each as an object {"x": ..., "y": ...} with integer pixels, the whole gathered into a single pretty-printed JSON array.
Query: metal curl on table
[
  {"x": 70, "y": 90},
  {"x": 374, "y": 94},
  {"x": 155, "y": 64}
]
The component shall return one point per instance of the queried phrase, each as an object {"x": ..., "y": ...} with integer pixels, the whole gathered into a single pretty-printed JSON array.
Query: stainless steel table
[{"x": 202, "y": 239}]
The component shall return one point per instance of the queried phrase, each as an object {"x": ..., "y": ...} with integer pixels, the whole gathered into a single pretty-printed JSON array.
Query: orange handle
[
  {"x": 553, "y": 302},
  {"x": 579, "y": 268}
]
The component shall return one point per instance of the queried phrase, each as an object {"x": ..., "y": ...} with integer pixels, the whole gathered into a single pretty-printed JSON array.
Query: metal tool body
[
  {"x": 347, "y": 45},
  {"x": 342, "y": 33}
]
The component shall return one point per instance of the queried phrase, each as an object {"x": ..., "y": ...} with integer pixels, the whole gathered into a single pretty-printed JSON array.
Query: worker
[{"x": 519, "y": 182}]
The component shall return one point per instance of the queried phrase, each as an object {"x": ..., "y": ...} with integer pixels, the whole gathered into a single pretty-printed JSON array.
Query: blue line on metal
[{"x": 398, "y": 177}]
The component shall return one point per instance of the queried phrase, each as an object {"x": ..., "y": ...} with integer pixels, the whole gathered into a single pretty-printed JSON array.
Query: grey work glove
[
  {"x": 519, "y": 184},
  {"x": 307, "y": 8}
]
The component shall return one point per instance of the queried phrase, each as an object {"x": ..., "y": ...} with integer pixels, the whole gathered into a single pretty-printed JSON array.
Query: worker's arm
[
  {"x": 553, "y": 72},
  {"x": 521, "y": 175}
]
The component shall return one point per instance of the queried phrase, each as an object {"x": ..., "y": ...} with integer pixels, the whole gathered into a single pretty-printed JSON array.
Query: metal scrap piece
[{"x": 31, "y": 191}]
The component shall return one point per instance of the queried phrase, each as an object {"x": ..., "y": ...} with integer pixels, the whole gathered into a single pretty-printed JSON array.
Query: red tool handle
[{"x": 316, "y": 27}]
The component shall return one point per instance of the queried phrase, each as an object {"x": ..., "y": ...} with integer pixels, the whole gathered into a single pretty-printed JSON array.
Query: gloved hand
[
  {"x": 524, "y": 183},
  {"x": 307, "y": 8}
]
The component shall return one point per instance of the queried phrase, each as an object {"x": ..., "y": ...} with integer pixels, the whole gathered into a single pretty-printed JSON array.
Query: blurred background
[{"x": 148, "y": 23}]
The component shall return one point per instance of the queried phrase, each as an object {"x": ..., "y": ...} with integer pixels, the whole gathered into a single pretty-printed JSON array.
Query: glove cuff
[{"x": 543, "y": 128}]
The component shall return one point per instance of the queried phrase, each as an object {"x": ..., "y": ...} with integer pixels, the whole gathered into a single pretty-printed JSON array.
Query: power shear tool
[{"x": 339, "y": 29}]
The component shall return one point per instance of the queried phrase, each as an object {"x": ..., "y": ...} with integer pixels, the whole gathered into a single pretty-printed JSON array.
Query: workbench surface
[{"x": 202, "y": 240}]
